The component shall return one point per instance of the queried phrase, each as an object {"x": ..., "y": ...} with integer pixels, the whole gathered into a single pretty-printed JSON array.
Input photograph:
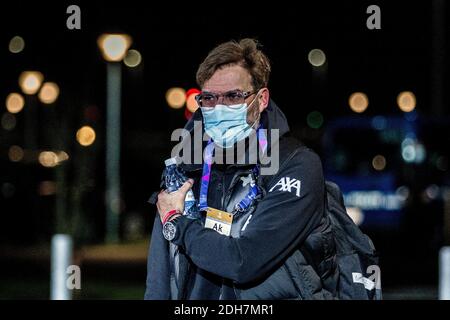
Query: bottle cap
[{"x": 170, "y": 161}]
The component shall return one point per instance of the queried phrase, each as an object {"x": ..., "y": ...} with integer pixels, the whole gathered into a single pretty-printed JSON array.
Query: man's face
[{"x": 236, "y": 77}]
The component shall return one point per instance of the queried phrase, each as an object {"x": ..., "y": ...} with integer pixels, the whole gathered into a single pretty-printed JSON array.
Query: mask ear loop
[{"x": 259, "y": 113}]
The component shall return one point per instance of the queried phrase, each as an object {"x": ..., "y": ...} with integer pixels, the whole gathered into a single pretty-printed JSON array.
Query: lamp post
[
  {"x": 114, "y": 48},
  {"x": 30, "y": 83}
]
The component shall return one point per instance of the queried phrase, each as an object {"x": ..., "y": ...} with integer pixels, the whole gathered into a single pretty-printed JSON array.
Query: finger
[
  {"x": 158, "y": 208},
  {"x": 187, "y": 185}
]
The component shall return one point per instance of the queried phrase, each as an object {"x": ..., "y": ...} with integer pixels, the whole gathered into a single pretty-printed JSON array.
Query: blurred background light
[
  {"x": 379, "y": 162},
  {"x": 176, "y": 97},
  {"x": 114, "y": 46},
  {"x": 356, "y": 215},
  {"x": 402, "y": 193},
  {"x": 86, "y": 136},
  {"x": 47, "y": 188},
  {"x": 408, "y": 153},
  {"x": 406, "y": 101},
  {"x": 62, "y": 156},
  {"x": 30, "y": 81},
  {"x": 14, "y": 102},
  {"x": 8, "y": 190},
  {"x": 48, "y": 159},
  {"x": 432, "y": 192},
  {"x": 187, "y": 114},
  {"x": 379, "y": 122},
  {"x": 16, "y": 44},
  {"x": 49, "y": 92},
  {"x": 358, "y": 102},
  {"x": 133, "y": 58},
  {"x": 314, "y": 119},
  {"x": 15, "y": 153},
  {"x": 8, "y": 121},
  {"x": 413, "y": 151},
  {"x": 316, "y": 57},
  {"x": 191, "y": 103}
]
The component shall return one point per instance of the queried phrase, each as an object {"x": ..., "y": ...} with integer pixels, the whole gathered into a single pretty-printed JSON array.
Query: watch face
[{"x": 169, "y": 231}]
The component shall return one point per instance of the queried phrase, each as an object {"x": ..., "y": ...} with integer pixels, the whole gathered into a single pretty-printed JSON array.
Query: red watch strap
[{"x": 169, "y": 215}]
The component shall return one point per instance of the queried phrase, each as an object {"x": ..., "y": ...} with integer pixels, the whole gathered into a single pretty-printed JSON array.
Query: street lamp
[
  {"x": 113, "y": 48},
  {"x": 30, "y": 82}
]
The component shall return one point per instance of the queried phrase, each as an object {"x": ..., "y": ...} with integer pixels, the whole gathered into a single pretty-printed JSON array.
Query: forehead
[{"x": 229, "y": 78}]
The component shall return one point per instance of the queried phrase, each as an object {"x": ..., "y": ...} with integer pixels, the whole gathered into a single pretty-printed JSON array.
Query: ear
[{"x": 263, "y": 99}]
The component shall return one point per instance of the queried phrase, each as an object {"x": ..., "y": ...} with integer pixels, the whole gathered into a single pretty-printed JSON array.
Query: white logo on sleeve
[{"x": 286, "y": 184}]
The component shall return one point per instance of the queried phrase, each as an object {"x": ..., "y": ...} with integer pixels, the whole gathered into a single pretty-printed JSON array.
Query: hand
[{"x": 173, "y": 201}]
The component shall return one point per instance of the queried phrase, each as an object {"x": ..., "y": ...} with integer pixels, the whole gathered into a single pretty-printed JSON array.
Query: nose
[{"x": 220, "y": 99}]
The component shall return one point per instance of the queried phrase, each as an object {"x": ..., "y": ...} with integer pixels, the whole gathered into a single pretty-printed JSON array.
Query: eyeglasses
[{"x": 210, "y": 99}]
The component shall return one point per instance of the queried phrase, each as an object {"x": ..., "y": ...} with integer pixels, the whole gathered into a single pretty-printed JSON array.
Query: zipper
[{"x": 234, "y": 181}]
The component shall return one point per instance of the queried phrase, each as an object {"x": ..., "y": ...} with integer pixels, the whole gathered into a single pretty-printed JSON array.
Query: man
[{"x": 275, "y": 246}]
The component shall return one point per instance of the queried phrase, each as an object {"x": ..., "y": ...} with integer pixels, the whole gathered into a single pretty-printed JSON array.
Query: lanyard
[{"x": 206, "y": 175}]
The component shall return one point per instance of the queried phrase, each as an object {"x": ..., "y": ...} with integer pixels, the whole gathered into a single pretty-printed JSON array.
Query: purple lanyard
[{"x": 206, "y": 175}]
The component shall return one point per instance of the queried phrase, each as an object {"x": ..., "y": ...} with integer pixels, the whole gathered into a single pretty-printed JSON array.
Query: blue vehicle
[{"x": 389, "y": 168}]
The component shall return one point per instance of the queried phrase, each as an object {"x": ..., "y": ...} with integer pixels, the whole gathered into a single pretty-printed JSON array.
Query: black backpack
[{"x": 356, "y": 258}]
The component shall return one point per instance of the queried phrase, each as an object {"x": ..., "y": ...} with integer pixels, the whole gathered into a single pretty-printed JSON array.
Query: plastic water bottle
[{"x": 174, "y": 178}]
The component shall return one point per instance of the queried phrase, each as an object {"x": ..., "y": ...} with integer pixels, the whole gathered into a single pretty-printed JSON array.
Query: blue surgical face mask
[{"x": 227, "y": 125}]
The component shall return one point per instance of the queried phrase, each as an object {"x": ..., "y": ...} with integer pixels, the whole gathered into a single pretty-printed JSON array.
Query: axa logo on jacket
[{"x": 288, "y": 184}]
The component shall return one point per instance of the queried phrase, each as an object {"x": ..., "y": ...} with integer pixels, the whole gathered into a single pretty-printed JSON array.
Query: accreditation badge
[{"x": 219, "y": 221}]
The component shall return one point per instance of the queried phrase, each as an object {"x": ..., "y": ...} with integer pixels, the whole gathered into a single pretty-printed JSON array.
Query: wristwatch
[{"x": 169, "y": 229}]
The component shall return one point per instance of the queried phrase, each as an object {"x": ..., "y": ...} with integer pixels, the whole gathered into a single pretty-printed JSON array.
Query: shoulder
[
  {"x": 295, "y": 160},
  {"x": 293, "y": 153}
]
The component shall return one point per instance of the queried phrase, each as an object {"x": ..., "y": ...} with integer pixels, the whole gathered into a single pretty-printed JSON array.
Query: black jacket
[{"x": 283, "y": 251}]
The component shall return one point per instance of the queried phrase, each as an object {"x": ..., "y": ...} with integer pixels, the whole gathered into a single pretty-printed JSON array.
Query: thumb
[{"x": 187, "y": 185}]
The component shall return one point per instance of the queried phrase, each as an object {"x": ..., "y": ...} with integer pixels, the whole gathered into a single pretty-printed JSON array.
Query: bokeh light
[
  {"x": 62, "y": 156},
  {"x": 47, "y": 188},
  {"x": 8, "y": 121},
  {"x": 358, "y": 102},
  {"x": 133, "y": 58},
  {"x": 413, "y": 151},
  {"x": 316, "y": 57},
  {"x": 314, "y": 119},
  {"x": 48, "y": 159},
  {"x": 114, "y": 46},
  {"x": 356, "y": 215},
  {"x": 191, "y": 103},
  {"x": 379, "y": 162},
  {"x": 30, "y": 81},
  {"x": 15, "y": 102},
  {"x": 86, "y": 136},
  {"x": 176, "y": 97},
  {"x": 187, "y": 114},
  {"x": 16, "y": 44},
  {"x": 15, "y": 153},
  {"x": 8, "y": 190},
  {"x": 406, "y": 101},
  {"x": 49, "y": 92}
]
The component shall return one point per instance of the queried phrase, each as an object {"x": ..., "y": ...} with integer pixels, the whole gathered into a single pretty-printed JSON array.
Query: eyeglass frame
[{"x": 246, "y": 94}]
